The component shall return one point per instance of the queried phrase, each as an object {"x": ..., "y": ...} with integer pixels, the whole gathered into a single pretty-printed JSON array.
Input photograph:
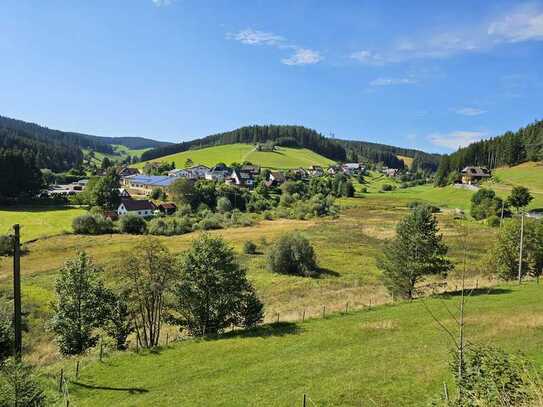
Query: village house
[
  {"x": 298, "y": 173},
  {"x": 473, "y": 175},
  {"x": 144, "y": 184},
  {"x": 178, "y": 172},
  {"x": 351, "y": 168},
  {"x": 254, "y": 170},
  {"x": 315, "y": 171},
  {"x": 241, "y": 178},
  {"x": 333, "y": 170},
  {"x": 197, "y": 171},
  {"x": 275, "y": 178},
  {"x": 142, "y": 208},
  {"x": 218, "y": 173},
  {"x": 127, "y": 171},
  {"x": 390, "y": 172},
  {"x": 123, "y": 193},
  {"x": 167, "y": 208}
]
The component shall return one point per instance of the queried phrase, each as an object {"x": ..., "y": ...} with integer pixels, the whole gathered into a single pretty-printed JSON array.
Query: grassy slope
[
  {"x": 38, "y": 222},
  {"x": 389, "y": 356},
  {"x": 528, "y": 174},
  {"x": 228, "y": 153}
]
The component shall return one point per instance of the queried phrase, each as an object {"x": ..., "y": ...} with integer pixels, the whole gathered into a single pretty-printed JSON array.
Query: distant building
[
  {"x": 315, "y": 171},
  {"x": 127, "y": 171},
  {"x": 197, "y": 171},
  {"x": 178, "y": 172},
  {"x": 144, "y": 184},
  {"x": 167, "y": 208},
  {"x": 351, "y": 168},
  {"x": 218, "y": 173},
  {"x": 474, "y": 175},
  {"x": 241, "y": 178},
  {"x": 123, "y": 193},
  {"x": 142, "y": 208},
  {"x": 275, "y": 178}
]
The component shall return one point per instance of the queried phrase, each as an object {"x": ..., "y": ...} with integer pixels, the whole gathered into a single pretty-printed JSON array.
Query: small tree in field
[
  {"x": 292, "y": 253},
  {"x": 214, "y": 293},
  {"x": 81, "y": 305},
  {"x": 147, "y": 273},
  {"x": 416, "y": 251},
  {"x": 119, "y": 322},
  {"x": 18, "y": 387},
  {"x": 520, "y": 197}
]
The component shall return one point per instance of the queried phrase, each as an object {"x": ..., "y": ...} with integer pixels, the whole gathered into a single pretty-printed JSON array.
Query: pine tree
[{"x": 415, "y": 252}]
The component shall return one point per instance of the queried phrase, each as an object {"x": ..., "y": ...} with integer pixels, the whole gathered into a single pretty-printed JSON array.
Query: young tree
[
  {"x": 119, "y": 323},
  {"x": 18, "y": 386},
  {"x": 182, "y": 192},
  {"x": 504, "y": 258},
  {"x": 416, "y": 251},
  {"x": 105, "y": 192},
  {"x": 147, "y": 273},
  {"x": 213, "y": 292},
  {"x": 188, "y": 163},
  {"x": 520, "y": 197},
  {"x": 81, "y": 305}
]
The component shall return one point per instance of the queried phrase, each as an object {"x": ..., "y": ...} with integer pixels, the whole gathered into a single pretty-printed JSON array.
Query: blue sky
[{"x": 425, "y": 74}]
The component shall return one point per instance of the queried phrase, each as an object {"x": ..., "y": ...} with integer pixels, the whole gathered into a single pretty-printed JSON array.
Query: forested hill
[
  {"x": 86, "y": 141},
  {"x": 511, "y": 148},
  {"x": 299, "y": 136},
  {"x": 376, "y": 152},
  {"x": 288, "y": 136}
]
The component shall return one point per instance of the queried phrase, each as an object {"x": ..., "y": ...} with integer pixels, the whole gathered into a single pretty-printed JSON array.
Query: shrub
[
  {"x": 132, "y": 224},
  {"x": 387, "y": 187},
  {"x": 18, "y": 386},
  {"x": 493, "y": 221},
  {"x": 292, "y": 254},
  {"x": 156, "y": 193},
  {"x": 92, "y": 225},
  {"x": 364, "y": 190},
  {"x": 210, "y": 221},
  {"x": 224, "y": 204},
  {"x": 6, "y": 245},
  {"x": 170, "y": 226},
  {"x": 249, "y": 247}
]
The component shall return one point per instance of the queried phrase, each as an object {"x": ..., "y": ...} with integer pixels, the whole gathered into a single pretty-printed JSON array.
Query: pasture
[
  {"x": 282, "y": 158},
  {"x": 385, "y": 356}
]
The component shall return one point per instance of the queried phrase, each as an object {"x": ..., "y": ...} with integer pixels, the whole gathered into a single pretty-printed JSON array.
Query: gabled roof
[
  {"x": 138, "y": 204},
  {"x": 167, "y": 205},
  {"x": 476, "y": 171},
  {"x": 278, "y": 176}
]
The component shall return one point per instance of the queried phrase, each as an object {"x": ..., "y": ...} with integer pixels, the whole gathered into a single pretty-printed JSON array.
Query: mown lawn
[
  {"x": 283, "y": 158},
  {"x": 38, "y": 222},
  {"x": 392, "y": 355}
]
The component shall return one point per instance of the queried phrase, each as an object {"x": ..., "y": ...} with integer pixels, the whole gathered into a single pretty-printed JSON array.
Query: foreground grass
[
  {"x": 386, "y": 356},
  {"x": 37, "y": 222},
  {"x": 283, "y": 158}
]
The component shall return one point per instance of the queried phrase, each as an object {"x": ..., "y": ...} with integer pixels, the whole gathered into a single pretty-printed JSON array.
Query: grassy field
[
  {"x": 282, "y": 158},
  {"x": 387, "y": 356},
  {"x": 528, "y": 174},
  {"x": 38, "y": 222}
]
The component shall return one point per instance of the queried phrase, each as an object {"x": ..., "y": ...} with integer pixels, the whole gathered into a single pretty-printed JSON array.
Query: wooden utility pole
[
  {"x": 521, "y": 247},
  {"x": 17, "y": 291}
]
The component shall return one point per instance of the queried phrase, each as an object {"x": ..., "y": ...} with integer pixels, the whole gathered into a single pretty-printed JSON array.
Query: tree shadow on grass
[
  {"x": 324, "y": 272},
  {"x": 130, "y": 390},
  {"x": 264, "y": 331},
  {"x": 473, "y": 292}
]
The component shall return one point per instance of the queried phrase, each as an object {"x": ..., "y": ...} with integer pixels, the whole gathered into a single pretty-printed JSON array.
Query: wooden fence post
[
  {"x": 101, "y": 349},
  {"x": 304, "y": 403},
  {"x": 303, "y": 316},
  {"x": 77, "y": 370},
  {"x": 347, "y": 307},
  {"x": 323, "y": 311},
  {"x": 277, "y": 318},
  {"x": 61, "y": 380}
]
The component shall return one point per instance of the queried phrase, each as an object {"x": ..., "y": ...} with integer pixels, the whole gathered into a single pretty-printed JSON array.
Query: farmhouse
[
  {"x": 218, "y": 173},
  {"x": 178, "y": 172},
  {"x": 127, "y": 171},
  {"x": 197, "y": 171},
  {"x": 141, "y": 208},
  {"x": 167, "y": 208},
  {"x": 275, "y": 178},
  {"x": 316, "y": 171},
  {"x": 144, "y": 184},
  {"x": 474, "y": 175},
  {"x": 241, "y": 178},
  {"x": 351, "y": 168}
]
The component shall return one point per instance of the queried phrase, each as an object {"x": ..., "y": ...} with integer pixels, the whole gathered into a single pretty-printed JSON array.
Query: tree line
[{"x": 510, "y": 149}]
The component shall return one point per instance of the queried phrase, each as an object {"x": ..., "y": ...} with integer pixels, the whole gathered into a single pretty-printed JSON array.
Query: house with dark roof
[
  {"x": 167, "y": 208},
  {"x": 218, "y": 173},
  {"x": 473, "y": 175},
  {"x": 139, "y": 207},
  {"x": 241, "y": 178},
  {"x": 275, "y": 178},
  {"x": 127, "y": 171}
]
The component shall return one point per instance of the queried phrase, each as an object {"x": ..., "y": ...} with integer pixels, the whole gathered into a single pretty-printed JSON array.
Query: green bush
[
  {"x": 249, "y": 247},
  {"x": 210, "y": 221},
  {"x": 18, "y": 386},
  {"x": 169, "y": 226},
  {"x": 92, "y": 225},
  {"x": 6, "y": 245},
  {"x": 292, "y": 254},
  {"x": 132, "y": 224},
  {"x": 387, "y": 187},
  {"x": 493, "y": 221},
  {"x": 224, "y": 204}
]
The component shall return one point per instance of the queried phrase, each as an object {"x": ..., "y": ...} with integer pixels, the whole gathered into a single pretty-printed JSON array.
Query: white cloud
[
  {"x": 303, "y": 56},
  {"x": 469, "y": 111},
  {"x": 525, "y": 23},
  {"x": 393, "y": 81},
  {"x": 161, "y": 3},
  {"x": 455, "y": 139},
  {"x": 255, "y": 37}
]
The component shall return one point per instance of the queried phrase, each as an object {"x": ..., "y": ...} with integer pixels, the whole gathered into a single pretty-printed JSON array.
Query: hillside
[
  {"x": 283, "y": 158},
  {"x": 389, "y": 356}
]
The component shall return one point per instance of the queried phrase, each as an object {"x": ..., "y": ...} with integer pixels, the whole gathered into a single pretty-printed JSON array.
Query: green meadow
[{"x": 282, "y": 158}]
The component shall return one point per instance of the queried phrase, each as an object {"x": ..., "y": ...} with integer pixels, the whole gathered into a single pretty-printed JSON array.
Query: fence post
[
  {"x": 277, "y": 318},
  {"x": 101, "y": 349},
  {"x": 77, "y": 370},
  {"x": 323, "y": 311},
  {"x": 303, "y": 316},
  {"x": 304, "y": 403},
  {"x": 61, "y": 380},
  {"x": 476, "y": 284},
  {"x": 167, "y": 338},
  {"x": 347, "y": 307}
]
